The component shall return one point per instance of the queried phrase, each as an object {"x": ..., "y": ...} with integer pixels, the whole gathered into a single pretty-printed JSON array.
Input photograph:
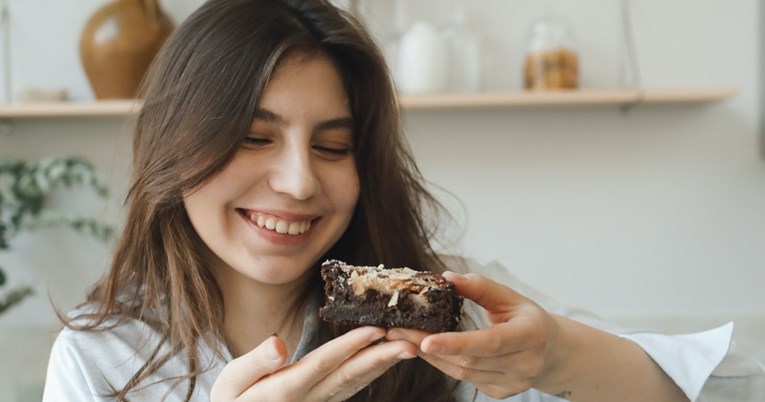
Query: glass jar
[
  {"x": 551, "y": 61},
  {"x": 465, "y": 52},
  {"x": 419, "y": 51},
  {"x": 434, "y": 48}
]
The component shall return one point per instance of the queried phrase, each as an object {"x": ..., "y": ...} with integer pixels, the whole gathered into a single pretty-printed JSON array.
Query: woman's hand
[
  {"x": 333, "y": 372},
  {"x": 526, "y": 347},
  {"x": 507, "y": 358}
]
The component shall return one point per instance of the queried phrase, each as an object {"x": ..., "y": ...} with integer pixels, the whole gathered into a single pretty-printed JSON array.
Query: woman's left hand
[{"x": 507, "y": 358}]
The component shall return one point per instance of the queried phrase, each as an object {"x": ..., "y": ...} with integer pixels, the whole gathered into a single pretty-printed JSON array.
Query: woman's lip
[
  {"x": 275, "y": 226},
  {"x": 287, "y": 216}
]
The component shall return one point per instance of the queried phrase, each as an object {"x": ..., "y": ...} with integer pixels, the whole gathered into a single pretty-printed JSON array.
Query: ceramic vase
[{"x": 119, "y": 42}]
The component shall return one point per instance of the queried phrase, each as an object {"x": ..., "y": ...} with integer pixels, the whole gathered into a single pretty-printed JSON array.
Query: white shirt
[{"x": 85, "y": 366}]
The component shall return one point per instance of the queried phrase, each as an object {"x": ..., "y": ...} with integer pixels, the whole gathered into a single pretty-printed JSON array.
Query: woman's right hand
[{"x": 333, "y": 372}]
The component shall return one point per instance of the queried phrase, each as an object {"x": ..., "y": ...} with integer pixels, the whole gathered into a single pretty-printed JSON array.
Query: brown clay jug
[{"x": 118, "y": 44}]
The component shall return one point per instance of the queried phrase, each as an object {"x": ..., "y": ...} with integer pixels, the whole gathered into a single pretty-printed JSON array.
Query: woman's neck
[{"x": 254, "y": 311}]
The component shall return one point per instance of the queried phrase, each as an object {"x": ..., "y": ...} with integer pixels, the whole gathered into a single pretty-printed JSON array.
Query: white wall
[{"x": 657, "y": 212}]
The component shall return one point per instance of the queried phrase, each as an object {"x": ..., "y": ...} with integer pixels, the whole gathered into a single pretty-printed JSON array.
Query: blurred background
[{"x": 608, "y": 153}]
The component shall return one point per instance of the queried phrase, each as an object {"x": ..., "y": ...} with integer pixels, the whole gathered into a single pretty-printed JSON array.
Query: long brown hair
[{"x": 199, "y": 101}]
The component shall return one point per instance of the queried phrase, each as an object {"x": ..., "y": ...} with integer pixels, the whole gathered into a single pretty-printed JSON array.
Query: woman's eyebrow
[
  {"x": 334, "y": 124},
  {"x": 331, "y": 124},
  {"x": 269, "y": 116}
]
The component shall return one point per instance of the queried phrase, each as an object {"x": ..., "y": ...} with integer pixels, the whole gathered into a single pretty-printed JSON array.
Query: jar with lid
[
  {"x": 465, "y": 51},
  {"x": 551, "y": 61},
  {"x": 419, "y": 51}
]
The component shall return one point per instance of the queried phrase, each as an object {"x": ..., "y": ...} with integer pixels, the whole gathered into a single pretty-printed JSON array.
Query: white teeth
[
  {"x": 282, "y": 227},
  {"x": 294, "y": 228},
  {"x": 278, "y": 225}
]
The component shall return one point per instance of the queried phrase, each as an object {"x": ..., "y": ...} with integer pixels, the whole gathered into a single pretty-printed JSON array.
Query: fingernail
[
  {"x": 405, "y": 355},
  {"x": 433, "y": 348},
  {"x": 394, "y": 335},
  {"x": 453, "y": 276},
  {"x": 377, "y": 333},
  {"x": 272, "y": 353}
]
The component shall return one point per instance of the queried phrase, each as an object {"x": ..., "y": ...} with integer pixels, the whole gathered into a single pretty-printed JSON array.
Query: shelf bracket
[{"x": 637, "y": 101}]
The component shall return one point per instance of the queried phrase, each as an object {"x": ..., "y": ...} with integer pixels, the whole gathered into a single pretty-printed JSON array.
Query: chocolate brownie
[{"x": 395, "y": 297}]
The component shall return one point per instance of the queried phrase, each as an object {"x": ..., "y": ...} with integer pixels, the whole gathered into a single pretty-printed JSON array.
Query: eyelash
[
  {"x": 259, "y": 141},
  {"x": 334, "y": 151},
  {"x": 256, "y": 140}
]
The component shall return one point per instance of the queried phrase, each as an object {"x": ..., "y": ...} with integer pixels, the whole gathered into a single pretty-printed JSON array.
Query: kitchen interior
[{"x": 608, "y": 153}]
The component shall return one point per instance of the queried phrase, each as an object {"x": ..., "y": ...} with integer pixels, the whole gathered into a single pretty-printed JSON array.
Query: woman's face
[{"x": 290, "y": 191}]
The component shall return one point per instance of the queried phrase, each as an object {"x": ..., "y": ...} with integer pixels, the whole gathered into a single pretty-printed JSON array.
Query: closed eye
[
  {"x": 255, "y": 141},
  {"x": 332, "y": 153}
]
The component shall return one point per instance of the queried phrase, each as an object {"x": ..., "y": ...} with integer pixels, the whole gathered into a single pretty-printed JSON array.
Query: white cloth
[
  {"x": 86, "y": 366},
  {"x": 703, "y": 351}
]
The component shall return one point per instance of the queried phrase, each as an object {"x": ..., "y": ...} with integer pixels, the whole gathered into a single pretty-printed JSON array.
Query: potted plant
[{"x": 25, "y": 188}]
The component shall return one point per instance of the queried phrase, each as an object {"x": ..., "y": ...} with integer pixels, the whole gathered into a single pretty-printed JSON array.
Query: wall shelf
[
  {"x": 107, "y": 108},
  {"x": 563, "y": 98},
  {"x": 121, "y": 108}
]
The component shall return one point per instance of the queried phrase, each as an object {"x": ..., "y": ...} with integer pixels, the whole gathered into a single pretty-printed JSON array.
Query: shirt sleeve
[
  {"x": 705, "y": 365},
  {"x": 65, "y": 380},
  {"x": 688, "y": 359}
]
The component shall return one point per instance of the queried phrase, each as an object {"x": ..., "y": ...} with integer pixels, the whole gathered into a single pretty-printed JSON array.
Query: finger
[
  {"x": 413, "y": 336},
  {"x": 491, "y": 295},
  {"x": 491, "y": 363},
  {"x": 487, "y": 342},
  {"x": 495, "y": 341},
  {"x": 361, "y": 369},
  {"x": 462, "y": 373},
  {"x": 497, "y": 384},
  {"x": 242, "y": 372},
  {"x": 499, "y": 363},
  {"x": 324, "y": 360}
]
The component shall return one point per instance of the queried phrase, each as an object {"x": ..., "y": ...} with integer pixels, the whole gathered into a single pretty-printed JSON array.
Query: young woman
[{"x": 269, "y": 141}]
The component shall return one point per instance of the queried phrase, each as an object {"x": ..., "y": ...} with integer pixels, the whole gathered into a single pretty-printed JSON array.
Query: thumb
[
  {"x": 492, "y": 296},
  {"x": 244, "y": 371}
]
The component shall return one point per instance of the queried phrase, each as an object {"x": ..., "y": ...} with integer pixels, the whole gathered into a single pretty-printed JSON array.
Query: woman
[{"x": 269, "y": 141}]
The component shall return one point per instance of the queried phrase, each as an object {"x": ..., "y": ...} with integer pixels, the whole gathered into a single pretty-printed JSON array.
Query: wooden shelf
[
  {"x": 108, "y": 108},
  {"x": 562, "y": 98},
  {"x": 121, "y": 108}
]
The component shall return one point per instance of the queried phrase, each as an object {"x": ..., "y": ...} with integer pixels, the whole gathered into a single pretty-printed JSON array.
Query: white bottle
[{"x": 422, "y": 63}]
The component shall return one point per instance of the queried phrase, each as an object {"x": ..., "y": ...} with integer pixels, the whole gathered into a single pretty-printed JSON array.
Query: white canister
[{"x": 422, "y": 64}]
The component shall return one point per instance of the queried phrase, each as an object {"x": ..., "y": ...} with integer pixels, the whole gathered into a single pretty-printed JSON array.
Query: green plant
[{"x": 24, "y": 191}]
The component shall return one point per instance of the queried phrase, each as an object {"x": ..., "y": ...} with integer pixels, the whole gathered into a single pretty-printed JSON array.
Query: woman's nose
[{"x": 294, "y": 175}]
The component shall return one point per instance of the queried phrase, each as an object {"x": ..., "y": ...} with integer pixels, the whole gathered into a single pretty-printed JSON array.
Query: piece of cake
[{"x": 395, "y": 297}]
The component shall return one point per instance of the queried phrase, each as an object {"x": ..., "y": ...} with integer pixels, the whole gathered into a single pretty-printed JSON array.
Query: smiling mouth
[{"x": 276, "y": 224}]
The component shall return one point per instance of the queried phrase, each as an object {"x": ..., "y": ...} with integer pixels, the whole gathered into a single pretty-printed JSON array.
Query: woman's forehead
[{"x": 306, "y": 85}]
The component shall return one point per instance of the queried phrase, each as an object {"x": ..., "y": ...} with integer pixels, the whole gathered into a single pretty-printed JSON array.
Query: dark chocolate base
[{"x": 344, "y": 307}]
